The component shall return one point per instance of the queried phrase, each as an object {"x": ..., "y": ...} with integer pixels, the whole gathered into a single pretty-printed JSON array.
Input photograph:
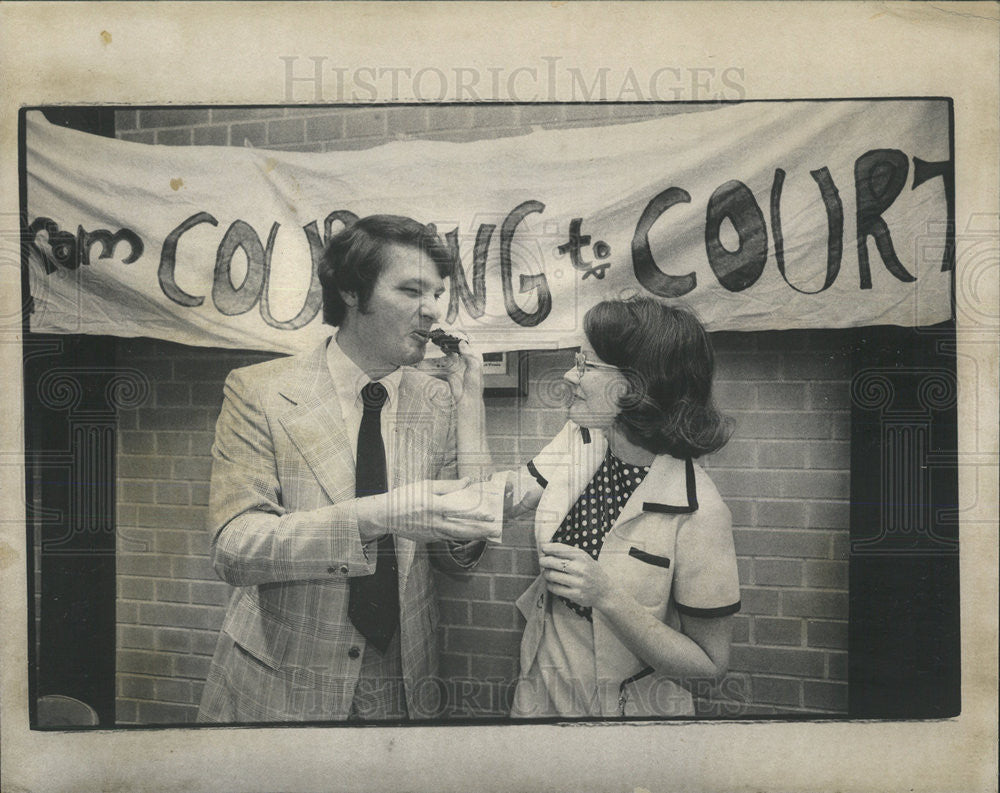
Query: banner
[{"x": 759, "y": 216}]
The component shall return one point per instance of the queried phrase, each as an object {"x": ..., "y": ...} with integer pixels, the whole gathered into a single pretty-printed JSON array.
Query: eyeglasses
[{"x": 582, "y": 365}]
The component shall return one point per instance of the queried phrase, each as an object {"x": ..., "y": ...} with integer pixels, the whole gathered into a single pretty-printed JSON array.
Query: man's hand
[
  {"x": 465, "y": 374},
  {"x": 417, "y": 511}
]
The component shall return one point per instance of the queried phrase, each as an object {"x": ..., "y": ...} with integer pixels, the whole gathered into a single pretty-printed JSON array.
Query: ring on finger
[{"x": 564, "y": 565}]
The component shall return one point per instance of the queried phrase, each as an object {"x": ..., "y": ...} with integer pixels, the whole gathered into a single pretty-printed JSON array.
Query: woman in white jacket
[{"x": 638, "y": 572}]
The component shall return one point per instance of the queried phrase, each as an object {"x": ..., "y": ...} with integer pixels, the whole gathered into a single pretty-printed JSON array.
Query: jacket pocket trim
[{"x": 649, "y": 558}]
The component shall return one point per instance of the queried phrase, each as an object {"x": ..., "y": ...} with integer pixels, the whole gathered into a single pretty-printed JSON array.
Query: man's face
[{"x": 402, "y": 308}]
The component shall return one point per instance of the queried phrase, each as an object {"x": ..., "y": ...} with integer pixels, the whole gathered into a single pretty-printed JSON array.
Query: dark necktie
[{"x": 374, "y": 603}]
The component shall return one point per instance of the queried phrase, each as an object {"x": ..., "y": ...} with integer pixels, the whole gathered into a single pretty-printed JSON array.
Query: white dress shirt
[{"x": 348, "y": 380}]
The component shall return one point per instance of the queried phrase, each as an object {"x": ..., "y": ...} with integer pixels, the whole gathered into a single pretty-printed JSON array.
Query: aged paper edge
[{"x": 209, "y": 53}]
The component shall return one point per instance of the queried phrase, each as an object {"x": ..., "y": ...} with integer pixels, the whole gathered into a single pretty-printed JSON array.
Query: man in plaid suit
[{"x": 289, "y": 532}]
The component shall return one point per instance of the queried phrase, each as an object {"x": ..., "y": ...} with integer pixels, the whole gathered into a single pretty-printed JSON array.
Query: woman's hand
[
  {"x": 465, "y": 373},
  {"x": 573, "y": 573}
]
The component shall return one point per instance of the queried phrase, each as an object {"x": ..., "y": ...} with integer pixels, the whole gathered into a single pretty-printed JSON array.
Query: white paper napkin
[{"x": 485, "y": 497}]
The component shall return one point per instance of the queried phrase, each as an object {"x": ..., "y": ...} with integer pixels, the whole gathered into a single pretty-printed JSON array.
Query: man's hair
[
  {"x": 354, "y": 258},
  {"x": 666, "y": 357}
]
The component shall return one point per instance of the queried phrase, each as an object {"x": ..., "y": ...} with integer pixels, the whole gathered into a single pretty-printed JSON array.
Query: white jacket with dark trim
[{"x": 671, "y": 548}]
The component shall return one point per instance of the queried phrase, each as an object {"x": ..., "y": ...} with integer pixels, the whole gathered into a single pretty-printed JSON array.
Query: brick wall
[{"x": 784, "y": 475}]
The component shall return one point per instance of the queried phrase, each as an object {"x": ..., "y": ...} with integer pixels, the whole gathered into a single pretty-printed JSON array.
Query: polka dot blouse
[{"x": 597, "y": 509}]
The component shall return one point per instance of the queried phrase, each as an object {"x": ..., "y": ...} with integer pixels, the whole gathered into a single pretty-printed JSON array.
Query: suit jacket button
[
  {"x": 354, "y": 652},
  {"x": 344, "y": 569}
]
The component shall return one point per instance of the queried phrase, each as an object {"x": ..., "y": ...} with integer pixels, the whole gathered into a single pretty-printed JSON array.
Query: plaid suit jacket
[{"x": 284, "y": 533}]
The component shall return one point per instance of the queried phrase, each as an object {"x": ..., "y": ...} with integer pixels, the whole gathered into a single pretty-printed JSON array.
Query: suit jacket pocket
[
  {"x": 651, "y": 558},
  {"x": 262, "y": 637}
]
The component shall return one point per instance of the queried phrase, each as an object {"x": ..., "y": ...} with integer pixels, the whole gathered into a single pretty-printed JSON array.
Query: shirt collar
[
  {"x": 349, "y": 378},
  {"x": 670, "y": 478}
]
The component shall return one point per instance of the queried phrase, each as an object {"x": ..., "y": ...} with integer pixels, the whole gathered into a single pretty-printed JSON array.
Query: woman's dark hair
[
  {"x": 353, "y": 258},
  {"x": 666, "y": 357}
]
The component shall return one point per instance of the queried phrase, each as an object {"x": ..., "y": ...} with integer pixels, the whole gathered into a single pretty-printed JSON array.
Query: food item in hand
[
  {"x": 481, "y": 497},
  {"x": 445, "y": 341}
]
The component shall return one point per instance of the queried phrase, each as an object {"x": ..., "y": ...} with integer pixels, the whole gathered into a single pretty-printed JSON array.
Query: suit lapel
[
  {"x": 316, "y": 426},
  {"x": 410, "y": 414},
  {"x": 408, "y": 420},
  {"x": 583, "y": 455}
]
